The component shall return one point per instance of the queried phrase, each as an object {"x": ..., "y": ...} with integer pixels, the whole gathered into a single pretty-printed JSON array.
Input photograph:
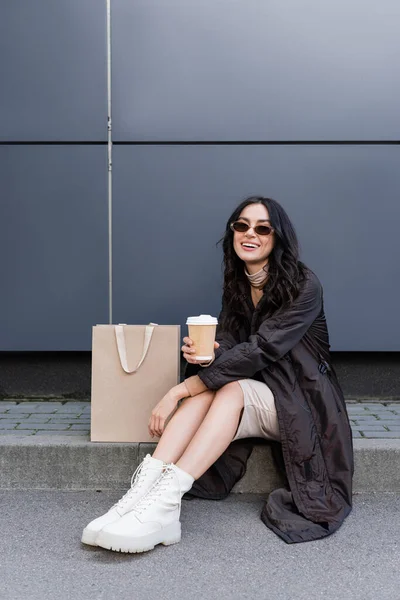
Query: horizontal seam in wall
[
  {"x": 204, "y": 143},
  {"x": 53, "y": 143},
  {"x": 258, "y": 143}
]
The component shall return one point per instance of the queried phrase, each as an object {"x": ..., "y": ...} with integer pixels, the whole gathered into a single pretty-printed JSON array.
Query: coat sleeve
[
  {"x": 274, "y": 338},
  {"x": 225, "y": 339}
]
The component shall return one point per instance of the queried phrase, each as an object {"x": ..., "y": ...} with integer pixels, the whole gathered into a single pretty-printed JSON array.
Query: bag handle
[{"x": 120, "y": 337}]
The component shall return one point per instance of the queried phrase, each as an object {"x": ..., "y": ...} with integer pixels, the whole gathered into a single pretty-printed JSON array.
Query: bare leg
[
  {"x": 182, "y": 427},
  {"x": 216, "y": 431}
]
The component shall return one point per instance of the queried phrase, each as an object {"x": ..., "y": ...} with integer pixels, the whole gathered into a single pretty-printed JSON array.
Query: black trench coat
[{"x": 290, "y": 353}]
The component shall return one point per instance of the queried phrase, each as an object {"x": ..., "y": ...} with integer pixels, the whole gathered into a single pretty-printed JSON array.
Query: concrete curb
[{"x": 75, "y": 463}]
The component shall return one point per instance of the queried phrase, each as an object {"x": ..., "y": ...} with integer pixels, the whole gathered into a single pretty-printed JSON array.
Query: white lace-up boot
[
  {"x": 142, "y": 480},
  {"x": 154, "y": 519}
]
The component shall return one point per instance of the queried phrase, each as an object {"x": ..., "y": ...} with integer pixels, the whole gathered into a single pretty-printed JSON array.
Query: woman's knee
[{"x": 231, "y": 393}]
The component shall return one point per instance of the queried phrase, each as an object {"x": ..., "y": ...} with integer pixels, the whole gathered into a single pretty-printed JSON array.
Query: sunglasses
[{"x": 243, "y": 227}]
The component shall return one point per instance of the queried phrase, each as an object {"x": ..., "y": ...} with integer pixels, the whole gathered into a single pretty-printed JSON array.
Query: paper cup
[{"x": 202, "y": 330}]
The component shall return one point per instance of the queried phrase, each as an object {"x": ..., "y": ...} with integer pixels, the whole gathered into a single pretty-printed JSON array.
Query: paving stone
[
  {"x": 381, "y": 412},
  {"x": 62, "y": 433},
  {"x": 70, "y": 409},
  {"x": 69, "y": 420},
  {"x": 380, "y": 409},
  {"x": 9, "y": 417},
  {"x": 64, "y": 418},
  {"x": 41, "y": 403},
  {"x": 43, "y": 426},
  {"x": 8, "y": 425},
  {"x": 388, "y": 417},
  {"x": 26, "y": 411},
  {"x": 21, "y": 432},
  {"x": 381, "y": 434},
  {"x": 361, "y": 417},
  {"x": 16, "y": 411},
  {"x": 45, "y": 410},
  {"x": 357, "y": 434},
  {"x": 80, "y": 427},
  {"x": 369, "y": 425}
]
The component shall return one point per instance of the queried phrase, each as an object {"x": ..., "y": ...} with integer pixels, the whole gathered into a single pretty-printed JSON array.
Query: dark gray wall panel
[
  {"x": 255, "y": 70},
  {"x": 171, "y": 205},
  {"x": 54, "y": 246},
  {"x": 53, "y": 70}
]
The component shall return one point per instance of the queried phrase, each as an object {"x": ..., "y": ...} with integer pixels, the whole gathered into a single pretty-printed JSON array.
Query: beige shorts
[{"x": 259, "y": 417}]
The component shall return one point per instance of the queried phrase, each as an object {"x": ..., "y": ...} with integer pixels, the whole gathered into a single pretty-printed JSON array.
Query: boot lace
[
  {"x": 158, "y": 489},
  {"x": 137, "y": 480}
]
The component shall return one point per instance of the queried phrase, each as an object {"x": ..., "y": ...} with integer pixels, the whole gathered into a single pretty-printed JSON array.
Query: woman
[{"x": 270, "y": 378}]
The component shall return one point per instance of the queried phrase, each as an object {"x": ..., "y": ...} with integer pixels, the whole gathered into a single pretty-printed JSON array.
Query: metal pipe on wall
[{"x": 109, "y": 154}]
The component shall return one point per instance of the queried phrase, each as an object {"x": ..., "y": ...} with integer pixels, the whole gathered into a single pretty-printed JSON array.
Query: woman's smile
[{"x": 249, "y": 249}]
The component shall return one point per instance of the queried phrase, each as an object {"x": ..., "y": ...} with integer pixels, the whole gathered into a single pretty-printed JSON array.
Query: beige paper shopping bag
[{"x": 133, "y": 367}]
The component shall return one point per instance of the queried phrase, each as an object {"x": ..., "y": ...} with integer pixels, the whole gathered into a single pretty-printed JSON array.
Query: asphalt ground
[{"x": 226, "y": 552}]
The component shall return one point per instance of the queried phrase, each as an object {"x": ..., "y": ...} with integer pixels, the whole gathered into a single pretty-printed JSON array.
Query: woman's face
[{"x": 254, "y": 214}]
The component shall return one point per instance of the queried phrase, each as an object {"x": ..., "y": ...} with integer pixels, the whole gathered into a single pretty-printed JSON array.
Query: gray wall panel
[
  {"x": 54, "y": 246},
  {"x": 53, "y": 70},
  {"x": 171, "y": 205},
  {"x": 255, "y": 70}
]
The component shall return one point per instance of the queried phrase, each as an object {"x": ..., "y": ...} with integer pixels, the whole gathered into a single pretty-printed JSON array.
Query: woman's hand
[
  {"x": 189, "y": 351},
  {"x": 164, "y": 408}
]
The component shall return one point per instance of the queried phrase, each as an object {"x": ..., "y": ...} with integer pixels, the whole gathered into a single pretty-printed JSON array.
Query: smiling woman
[{"x": 266, "y": 381}]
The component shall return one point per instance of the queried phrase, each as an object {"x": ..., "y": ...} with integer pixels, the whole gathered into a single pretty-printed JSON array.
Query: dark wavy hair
[{"x": 285, "y": 270}]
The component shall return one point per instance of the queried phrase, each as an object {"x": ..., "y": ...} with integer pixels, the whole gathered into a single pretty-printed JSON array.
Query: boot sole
[{"x": 167, "y": 536}]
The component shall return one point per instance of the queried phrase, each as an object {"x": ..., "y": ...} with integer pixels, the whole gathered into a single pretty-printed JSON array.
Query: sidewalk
[
  {"x": 25, "y": 418},
  {"x": 45, "y": 445}
]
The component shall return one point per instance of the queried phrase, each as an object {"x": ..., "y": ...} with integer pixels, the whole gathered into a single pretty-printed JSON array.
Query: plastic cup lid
[{"x": 202, "y": 320}]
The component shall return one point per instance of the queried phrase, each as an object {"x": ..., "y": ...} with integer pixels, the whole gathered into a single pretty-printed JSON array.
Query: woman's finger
[
  {"x": 189, "y": 358},
  {"x": 157, "y": 426},
  {"x": 188, "y": 349},
  {"x": 154, "y": 424},
  {"x": 161, "y": 426},
  {"x": 189, "y": 345}
]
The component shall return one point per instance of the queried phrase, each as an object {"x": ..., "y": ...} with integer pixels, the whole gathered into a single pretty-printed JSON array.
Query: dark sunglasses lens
[
  {"x": 263, "y": 229},
  {"x": 241, "y": 227}
]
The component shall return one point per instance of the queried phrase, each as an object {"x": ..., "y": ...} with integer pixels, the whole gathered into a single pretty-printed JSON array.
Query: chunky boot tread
[{"x": 138, "y": 550}]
